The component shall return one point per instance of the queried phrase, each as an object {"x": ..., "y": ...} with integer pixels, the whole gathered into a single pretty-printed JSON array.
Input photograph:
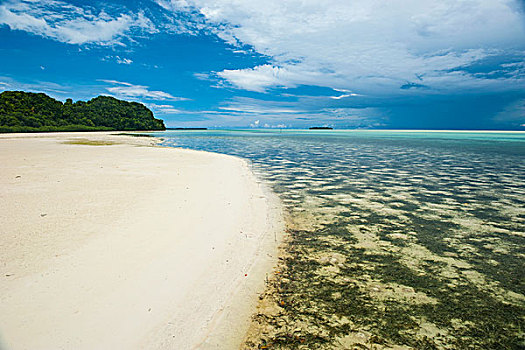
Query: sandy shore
[{"x": 124, "y": 246}]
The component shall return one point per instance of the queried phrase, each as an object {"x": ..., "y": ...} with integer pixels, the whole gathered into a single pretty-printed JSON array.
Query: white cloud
[
  {"x": 50, "y": 88},
  {"x": 127, "y": 90},
  {"x": 366, "y": 45},
  {"x": 346, "y": 93},
  {"x": 117, "y": 59},
  {"x": 256, "y": 79},
  {"x": 123, "y": 60},
  {"x": 116, "y": 82},
  {"x": 163, "y": 109},
  {"x": 66, "y": 23}
]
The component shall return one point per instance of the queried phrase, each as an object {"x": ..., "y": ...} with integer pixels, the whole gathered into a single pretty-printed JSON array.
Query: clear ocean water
[{"x": 396, "y": 239}]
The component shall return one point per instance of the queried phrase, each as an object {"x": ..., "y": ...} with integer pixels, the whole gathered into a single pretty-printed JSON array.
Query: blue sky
[{"x": 436, "y": 64}]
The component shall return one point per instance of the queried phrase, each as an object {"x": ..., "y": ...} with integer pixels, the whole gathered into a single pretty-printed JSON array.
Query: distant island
[
  {"x": 36, "y": 112},
  {"x": 321, "y": 128}
]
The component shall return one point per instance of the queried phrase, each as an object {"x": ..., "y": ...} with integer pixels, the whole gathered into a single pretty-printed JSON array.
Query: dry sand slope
[{"x": 122, "y": 246}]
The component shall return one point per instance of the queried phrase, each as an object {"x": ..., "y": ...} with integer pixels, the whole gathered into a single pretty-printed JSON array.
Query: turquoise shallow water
[{"x": 410, "y": 239}]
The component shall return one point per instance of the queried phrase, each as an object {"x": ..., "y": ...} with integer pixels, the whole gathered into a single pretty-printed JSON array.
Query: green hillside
[{"x": 29, "y": 112}]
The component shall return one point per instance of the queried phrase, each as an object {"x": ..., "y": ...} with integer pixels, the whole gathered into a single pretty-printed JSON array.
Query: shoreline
[{"x": 179, "y": 265}]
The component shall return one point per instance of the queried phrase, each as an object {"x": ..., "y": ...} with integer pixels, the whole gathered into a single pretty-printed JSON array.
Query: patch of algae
[
  {"x": 91, "y": 142},
  {"x": 340, "y": 286}
]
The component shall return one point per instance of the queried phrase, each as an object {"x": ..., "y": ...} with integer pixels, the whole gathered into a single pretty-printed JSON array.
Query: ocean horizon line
[{"x": 211, "y": 128}]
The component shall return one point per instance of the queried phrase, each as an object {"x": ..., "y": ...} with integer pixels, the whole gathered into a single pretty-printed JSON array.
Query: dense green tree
[{"x": 26, "y": 112}]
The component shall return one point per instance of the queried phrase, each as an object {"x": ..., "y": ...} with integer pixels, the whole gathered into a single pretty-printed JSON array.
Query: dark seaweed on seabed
[{"x": 408, "y": 244}]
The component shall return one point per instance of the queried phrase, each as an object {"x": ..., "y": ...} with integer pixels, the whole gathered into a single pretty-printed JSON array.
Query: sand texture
[{"x": 107, "y": 243}]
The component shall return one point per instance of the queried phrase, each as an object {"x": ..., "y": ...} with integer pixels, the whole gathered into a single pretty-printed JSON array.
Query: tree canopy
[{"x": 27, "y": 112}]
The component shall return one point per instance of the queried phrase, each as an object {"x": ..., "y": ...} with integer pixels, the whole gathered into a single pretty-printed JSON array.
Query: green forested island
[{"x": 32, "y": 112}]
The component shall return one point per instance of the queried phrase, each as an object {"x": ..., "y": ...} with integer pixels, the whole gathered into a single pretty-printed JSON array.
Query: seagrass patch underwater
[{"x": 405, "y": 240}]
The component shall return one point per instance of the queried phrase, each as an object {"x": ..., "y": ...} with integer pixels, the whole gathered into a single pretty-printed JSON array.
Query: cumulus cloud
[
  {"x": 70, "y": 24},
  {"x": 127, "y": 90},
  {"x": 256, "y": 79},
  {"x": 366, "y": 46}
]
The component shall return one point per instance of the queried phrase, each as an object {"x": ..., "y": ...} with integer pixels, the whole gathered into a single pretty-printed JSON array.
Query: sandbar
[{"x": 110, "y": 242}]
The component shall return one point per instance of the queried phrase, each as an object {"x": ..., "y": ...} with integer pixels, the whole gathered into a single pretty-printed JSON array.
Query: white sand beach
[{"x": 127, "y": 246}]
